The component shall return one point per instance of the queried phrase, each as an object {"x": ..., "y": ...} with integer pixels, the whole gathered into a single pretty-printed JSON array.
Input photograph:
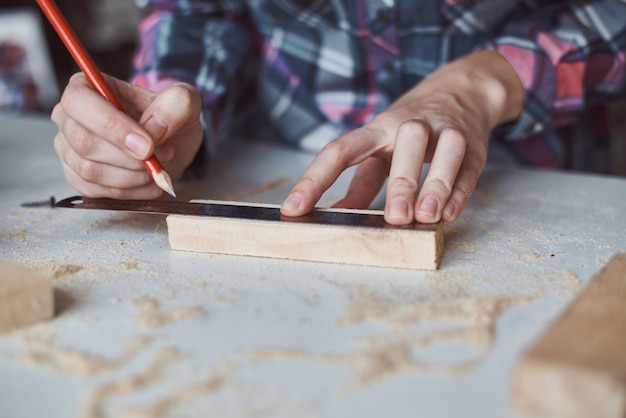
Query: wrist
[{"x": 498, "y": 83}]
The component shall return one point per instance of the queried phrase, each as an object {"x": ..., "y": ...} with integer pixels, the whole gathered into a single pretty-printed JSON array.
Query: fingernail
[
  {"x": 138, "y": 145},
  {"x": 292, "y": 203},
  {"x": 157, "y": 126},
  {"x": 429, "y": 206},
  {"x": 398, "y": 208},
  {"x": 448, "y": 211}
]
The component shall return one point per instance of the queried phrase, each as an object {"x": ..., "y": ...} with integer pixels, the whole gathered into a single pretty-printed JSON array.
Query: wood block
[
  {"x": 578, "y": 367},
  {"x": 25, "y": 296},
  {"x": 359, "y": 237}
]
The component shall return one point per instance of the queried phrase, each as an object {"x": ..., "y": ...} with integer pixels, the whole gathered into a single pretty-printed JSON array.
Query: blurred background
[{"x": 35, "y": 66}]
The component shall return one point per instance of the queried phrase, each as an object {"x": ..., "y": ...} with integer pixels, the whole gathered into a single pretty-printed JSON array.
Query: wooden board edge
[{"x": 320, "y": 243}]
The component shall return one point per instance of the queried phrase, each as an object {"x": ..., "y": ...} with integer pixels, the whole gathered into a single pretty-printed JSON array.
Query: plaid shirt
[{"x": 311, "y": 70}]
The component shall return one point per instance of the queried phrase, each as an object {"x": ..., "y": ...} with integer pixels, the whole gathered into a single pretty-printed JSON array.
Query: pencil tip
[{"x": 163, "y": 180}]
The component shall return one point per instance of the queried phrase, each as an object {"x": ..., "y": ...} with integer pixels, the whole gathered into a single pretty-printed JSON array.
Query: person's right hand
[{"x": 101, "y": 149}]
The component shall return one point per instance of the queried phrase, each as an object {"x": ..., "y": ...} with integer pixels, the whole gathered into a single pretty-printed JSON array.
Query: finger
[
  {"x": 171, "y": 110},
  {"x": 77, "y": 139},
  {"x": 86, "y": 188},
  {"x": 81, "y": 103},
  {"x": 98, "y": 172},
  {"x": 441, "y": 176},
  {"x": 464, "y": 187},
  {"x": 404, "y": 174},
  {"x": 332, "y": 160},
  {"x": 368, "y": 178}
]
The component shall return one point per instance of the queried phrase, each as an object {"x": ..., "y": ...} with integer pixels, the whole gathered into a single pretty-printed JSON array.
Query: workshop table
[{"x": 141, "y": 330}]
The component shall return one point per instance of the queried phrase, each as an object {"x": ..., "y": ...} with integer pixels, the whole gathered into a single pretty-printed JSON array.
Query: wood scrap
[
  {"x": 578, "y": 367},
  {"x": 26, "y": 296},
  {"x": 418, "y": 246}
]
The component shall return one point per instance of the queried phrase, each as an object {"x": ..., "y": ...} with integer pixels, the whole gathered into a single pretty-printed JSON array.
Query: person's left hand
[{"x": 445, "y": 120}]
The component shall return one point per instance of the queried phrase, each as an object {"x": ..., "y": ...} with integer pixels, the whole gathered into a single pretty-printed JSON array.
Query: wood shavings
[
  {"x": 150, "y": 316},
  {"x": 66, "y": 360},
  {"x": 371, "y": 364},
  {"x": 392, "y": 353},
  {"x": 528, "y": 253},
  {"x": 166, "y": 405},
  {"x": 62, "y": 270},
  {"x": 567, "y": 281},
  {"x": 367, "y": 305},
  {"x": 154, "y": 372}
]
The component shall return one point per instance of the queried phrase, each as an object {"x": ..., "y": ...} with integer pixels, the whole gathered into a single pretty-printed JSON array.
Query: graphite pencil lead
[{"x": 163, "y": 180}]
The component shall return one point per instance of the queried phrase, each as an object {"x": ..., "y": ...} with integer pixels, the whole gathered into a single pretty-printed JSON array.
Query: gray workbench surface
[{"x": 145, "y": 331}]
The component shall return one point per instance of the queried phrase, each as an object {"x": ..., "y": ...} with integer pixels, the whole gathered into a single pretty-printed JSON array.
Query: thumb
[{"x": 171, "y": 110}]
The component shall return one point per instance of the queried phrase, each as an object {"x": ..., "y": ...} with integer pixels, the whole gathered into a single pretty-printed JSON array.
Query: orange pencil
[{"x": 87, "y": 66}]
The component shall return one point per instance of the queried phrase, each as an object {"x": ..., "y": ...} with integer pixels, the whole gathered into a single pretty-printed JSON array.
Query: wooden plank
[
  {"x": 578, "y": 367},
  {"x": 309, "y": 238},
  {"x": 26, "y": 296}
]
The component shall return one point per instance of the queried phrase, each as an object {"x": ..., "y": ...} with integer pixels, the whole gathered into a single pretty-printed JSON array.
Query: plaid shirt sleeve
[
  {"x": 198, "y": 42},
  {"x": 564, "y": 55}
]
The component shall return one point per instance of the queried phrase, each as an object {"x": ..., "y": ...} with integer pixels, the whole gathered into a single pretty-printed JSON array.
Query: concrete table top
[{"x": 144, "y": 331}]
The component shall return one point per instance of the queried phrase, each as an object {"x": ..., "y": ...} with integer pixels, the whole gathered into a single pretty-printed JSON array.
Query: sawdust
[
  {"x": 371, "y": 305},
  {"x": 154, "y": 372},
  {"x": 150, "y": 316},
  {"x": 260, "y": 189},
  {"x": 371, "y": 364},
  {"x": 566, "y": 281},
  {"x": 70, "y": 361},
  {"x": 527, "y": 253},
  {"x": 128, "y": 222},
  {"x": 220, "y": 300},
  {"x": 17, "y": 236},
  {"x": 53, "y": 268},
  {"x": 63, "y": 270},
  {"x": 167, "y": 404},
  {"x": 42, "y": 333},
  {"x": 416, "y": 320},
  {"x": 188, "y": 286}
]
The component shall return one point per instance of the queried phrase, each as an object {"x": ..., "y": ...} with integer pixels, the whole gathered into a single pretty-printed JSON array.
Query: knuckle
[
  {"x": 414, "y": 127},
  {"x": 77, "y": 76},
  {"x": 87, "y": 170},
  {"x": 81, "y": 141},
  {"x": 309, "y": 182},
  {"x": 58, "y": 144},
  {"x": 116, "y": 193},
  {"x": 440, "y": 185},
  {"x": 335, "y": 150},
  {"x": 56, "y": 114},
  {"x": 383, "y": 124},
  {"x": 464, "y": 191},
  {"x": 181, "y": 95},
  {"x": 402, "y": 182},
  {"x": 110, "y": 124}
]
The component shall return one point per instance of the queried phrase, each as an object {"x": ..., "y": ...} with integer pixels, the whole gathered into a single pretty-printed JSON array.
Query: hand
[
  {"x": 445, "y": 120},
  {"x": 101, "y": 149}
]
